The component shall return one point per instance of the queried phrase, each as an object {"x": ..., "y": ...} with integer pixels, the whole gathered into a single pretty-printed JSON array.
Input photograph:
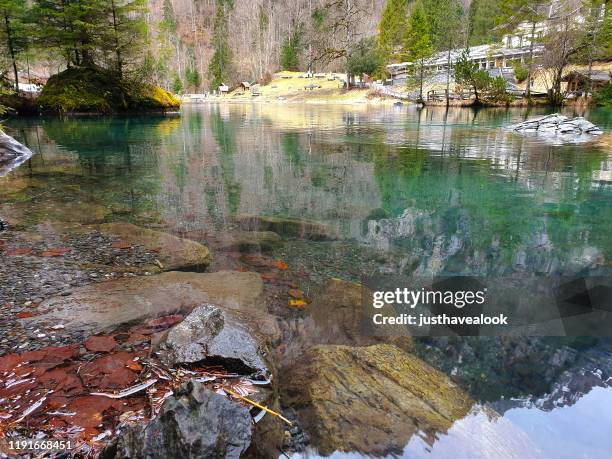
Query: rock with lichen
[{"x": 370, "y": 399}]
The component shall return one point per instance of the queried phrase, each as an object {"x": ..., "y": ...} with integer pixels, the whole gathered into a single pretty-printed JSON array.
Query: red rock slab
[
  {"x": 52, "y": 354},
  {"x": 121, "y": 245},
  {"x": 100, "y": 343},
  {"x": 90, "y": 410},
  {"x": 109, "y": 372},
  {"x": 62, "y": 380},
  {"x": 48, "y": 355},
  {"x": 136, "y": 338},
  {"x": 157, "y": 325}
]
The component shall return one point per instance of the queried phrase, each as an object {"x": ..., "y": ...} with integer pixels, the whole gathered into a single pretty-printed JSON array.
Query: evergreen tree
[
  {"x": 392, "y": 28},
  {"x": 13, "y": 32},
  {"x": 220, "y": 65},
  {"x": 514, "y": 12},
  {"x": 482, "y": 19},
  {"x": 126, "y": 31},
  {"x": 193, "y": 78},
  {"x": 417, "y": 42},
  {"x": 468, "y": 73},
  {"x": 290, "y": 51},
  {"x": 177, "y": 84},
  {"x": 365, "y": 58},
  {"x": 445, "y": 19}
]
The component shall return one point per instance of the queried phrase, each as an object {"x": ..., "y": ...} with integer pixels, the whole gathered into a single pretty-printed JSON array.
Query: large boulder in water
[
  {"x": 559, "y": 127},
  {"x": 194, "y": 423},
  {"x": 95, "y": 90},
  {"x": 370, "y": 399},
  {"x": 214, "y": 334}
]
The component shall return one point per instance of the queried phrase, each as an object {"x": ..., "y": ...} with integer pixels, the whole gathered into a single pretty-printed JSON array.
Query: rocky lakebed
[{"x": 130, "y": 342}]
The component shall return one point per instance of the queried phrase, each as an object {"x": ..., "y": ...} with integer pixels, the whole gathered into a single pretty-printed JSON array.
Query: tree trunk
[
  {"x": 116, "y": 32},
  {"x": 421, "y": 78},
  {"x": 11, "y": 47},
  {"x": 529, "y": 67},
  {"x": 448, "y": 69}
]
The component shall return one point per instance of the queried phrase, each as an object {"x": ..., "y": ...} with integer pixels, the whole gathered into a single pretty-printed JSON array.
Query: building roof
[
  {"x": 596, "y": 75},
  {"x": 475, "y": 52}
]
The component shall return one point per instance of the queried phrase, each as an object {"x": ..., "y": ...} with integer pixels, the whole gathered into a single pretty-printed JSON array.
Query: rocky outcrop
[
  {"x": 12, "y": 154},
  {"x": 285, "y": 227},
  {"x": 103, "y": 306},
  {"x": 174, "y": 253},
  {"x": 557, "y": 124},
  {"x": 370, "y": 399},
  {"x": 212, "y": 334},
  {"x": 194, "y": 423}
]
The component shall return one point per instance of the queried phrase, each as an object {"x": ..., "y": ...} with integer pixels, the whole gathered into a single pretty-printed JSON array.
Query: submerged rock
[
  {"x": 12, "y": 154},
  {"x": 250, "y": 241},
  {"x": 102, "y": 306},
  {"x": 370, "y": 399},
  {"x": 336, "y": 315},
  {"x": 286, "y": 227},
  {"x": 194, "y": 423},
  {"x": 174, "y": 253},
  {"x": 213, "y": 334}
]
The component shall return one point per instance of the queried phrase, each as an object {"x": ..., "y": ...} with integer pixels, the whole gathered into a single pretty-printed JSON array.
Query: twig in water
[{"x": 261, "y": 407}]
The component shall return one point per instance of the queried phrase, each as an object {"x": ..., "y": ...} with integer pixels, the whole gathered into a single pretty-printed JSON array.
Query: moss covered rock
[
  {"x": 370, "y": 399},
  {"x": 93, "y": 90}
]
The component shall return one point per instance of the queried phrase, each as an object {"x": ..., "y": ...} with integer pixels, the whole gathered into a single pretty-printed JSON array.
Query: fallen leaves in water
[
  {"x": 54, "y": 252},
  {"x": 20, "y": 251},
  {"x": 296, "y": 294},
  {"x": 24, "y": 315},
  {"x": 297, "y": 303},
  {"x": 281, "y": 265}
]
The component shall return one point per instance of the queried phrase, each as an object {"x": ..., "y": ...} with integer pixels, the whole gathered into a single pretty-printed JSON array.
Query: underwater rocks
[
  {"x": 286, "y": 227},
  {"x": 12, "y": 154},
  {"x": 194, "y": 423},
  {"x": 174, "y": 253},
  {"x": 557, "y": 124},
  {"x": 103, "y": 306},
  {"x": 336, "y": 315},
  {"x": 213, "y": 334},
  {"x": 370, "y": 399},
  {"x": 250, "y": 241}
]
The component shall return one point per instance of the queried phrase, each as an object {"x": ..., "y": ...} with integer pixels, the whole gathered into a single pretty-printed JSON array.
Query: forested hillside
[{"x": 194, "y": 45}]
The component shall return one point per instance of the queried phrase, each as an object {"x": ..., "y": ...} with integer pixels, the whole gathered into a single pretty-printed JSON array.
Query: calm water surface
[{"x": 411, "y": 192}]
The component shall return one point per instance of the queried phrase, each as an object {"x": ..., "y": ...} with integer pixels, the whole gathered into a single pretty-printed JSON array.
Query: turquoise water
[{"x": 408, "y": 191}]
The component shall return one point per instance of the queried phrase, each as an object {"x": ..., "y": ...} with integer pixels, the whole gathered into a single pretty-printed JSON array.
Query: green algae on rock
[
  {"x": 94, "y": 90},
  {"x": 370, "y": 399}
]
